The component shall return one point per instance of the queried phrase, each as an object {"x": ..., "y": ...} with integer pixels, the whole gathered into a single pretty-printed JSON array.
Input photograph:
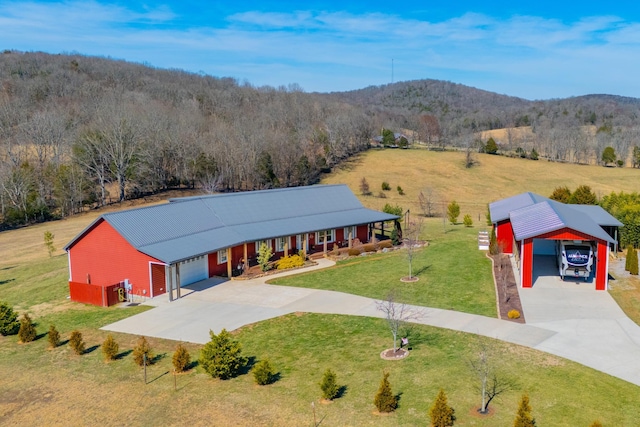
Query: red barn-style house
[
  {"x": 529, "y": 226},
  {"x": 153, "y": 250}
]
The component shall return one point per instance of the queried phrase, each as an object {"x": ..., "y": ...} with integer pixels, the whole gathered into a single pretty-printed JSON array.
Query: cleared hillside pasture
[{"x": 493, "y": 178}]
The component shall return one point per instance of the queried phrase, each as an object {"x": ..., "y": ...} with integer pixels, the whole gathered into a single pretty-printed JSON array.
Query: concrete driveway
[{"x": 563, "y": 318}]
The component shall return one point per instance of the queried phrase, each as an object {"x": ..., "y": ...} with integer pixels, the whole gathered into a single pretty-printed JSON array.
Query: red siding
[
  {"x": 602, "y": 256},
  {"x": 504, "y": 236},
  {"x": 103, "y": 257},
  {"x": 602, "y": 275},
  {"x": 216, "y": 269},
  {"x": 94, "y": 294},
  {"x": 158, "y": 279},
  {"x": 527, "y": 263},
  {"x": 565, "y": 234}
]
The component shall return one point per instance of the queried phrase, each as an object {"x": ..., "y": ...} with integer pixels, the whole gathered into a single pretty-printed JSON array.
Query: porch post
[
  {"x": 350, "y": 236},
  {"x": 304, "y": 244},
  {"x": 169, "y": 273},
  {"x": 178, "y": 281},
  {"x": 286, "y": 246},
  {"x": 229, "y": 268},
  {"x": 324, "y": 244},
  {"x": 245, "y": 262}
]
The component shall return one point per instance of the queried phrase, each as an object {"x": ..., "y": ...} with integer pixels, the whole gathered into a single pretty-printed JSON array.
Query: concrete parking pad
[{"x": 565, "y": 319}]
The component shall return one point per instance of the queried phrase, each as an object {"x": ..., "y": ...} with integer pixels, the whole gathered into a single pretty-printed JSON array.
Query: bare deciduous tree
[
  {"x": 491, "y": 383},
  {"x": 397, "y": 313}
]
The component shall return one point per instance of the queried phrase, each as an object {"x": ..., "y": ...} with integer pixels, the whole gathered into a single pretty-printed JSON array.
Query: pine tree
[
  {"x": 385, "y": 401},
  {"x": 76, "y": 342},
  {"x": 442, "y": 415},
  {"x": 523, "y": 417},
  {"x": 110, "y": 348},
  {"x": 329, "y": 385},
  {"x": 263, "y": 372},
  {"x": 467, "y": 220},
  {"x": 9, "y": 323},
  {"x": 627, "y": 261},
  {"x": 494, "y": 248},
  {"x": 53, "y": 337},
  {"x": 141, "y": 350},
  {"x": 222, "y": 356},
  {"x": 633, "y": 263},
  {"x": 27, "y": 331},
  {"x": 48, "y": 242},
  {"x": 181, "y": 358},
  {"x": 453, "y": 212},
  {"x": 491, "y": 147}
]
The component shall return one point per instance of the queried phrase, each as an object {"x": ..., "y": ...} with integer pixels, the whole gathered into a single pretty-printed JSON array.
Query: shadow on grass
[
  {"x": 251, "y": 361},
  {"x": 91, "y": 349},
  {"x": 398, "y": 398},
  {"x": 42, "y": 335},
  {"x": 4, "y": 282},
  {"x": 158, "y": 377},
  {"x": 341, "y": 391},
  {"x": 421, "y": 270},
  {"x": 158, "y": 357},
  {"x": 63, "y": 342},
  {"x": 123, "y": 354}
]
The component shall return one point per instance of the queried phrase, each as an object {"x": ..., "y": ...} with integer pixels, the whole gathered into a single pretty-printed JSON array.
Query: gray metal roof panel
[
  {"x": 501, "y": 209},
  {"x": 548, "y": 216},
  {"x": 599, "y": 215},
  {"x": 197, "y": 225},
  {"x": 534, "y": 220}
]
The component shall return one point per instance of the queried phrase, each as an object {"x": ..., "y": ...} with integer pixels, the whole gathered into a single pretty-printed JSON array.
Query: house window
[
  {"x": 353, "y": 230},
  {"x": 321, "y": 234},
  {"x": 280, "y": 244},
  {"x": 222, "y": 256},
  {"x": 262, "y": 242}
]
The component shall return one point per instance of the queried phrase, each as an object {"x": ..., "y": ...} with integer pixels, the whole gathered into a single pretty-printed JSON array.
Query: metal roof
[
  {"x": 193, "y": 226},
  {"x": 532, "y": 215},
  {"x": 501, "y": 209}
]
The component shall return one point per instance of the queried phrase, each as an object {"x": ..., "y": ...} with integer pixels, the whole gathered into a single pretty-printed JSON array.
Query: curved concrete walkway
[{"x": 590, "y": 332}]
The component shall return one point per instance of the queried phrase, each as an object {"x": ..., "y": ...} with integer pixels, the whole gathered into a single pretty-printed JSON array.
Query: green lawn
[
  {"x": 453, "y": 273},
  {"x": 301, "y": 347}
]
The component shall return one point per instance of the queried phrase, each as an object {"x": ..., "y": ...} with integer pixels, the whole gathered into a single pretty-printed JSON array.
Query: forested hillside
[
  {"x": 443, "y": 114},
  {"x": 74, "y": 127},
  {"x": 79, "y": 131}
]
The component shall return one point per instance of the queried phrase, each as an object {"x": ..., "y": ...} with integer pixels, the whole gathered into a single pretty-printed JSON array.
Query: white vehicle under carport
[{"x": 575, "y": 259}]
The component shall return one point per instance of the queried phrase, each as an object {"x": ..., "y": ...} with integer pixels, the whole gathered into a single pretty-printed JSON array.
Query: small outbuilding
[
  {"x": 529, "y": 224},
  {"x": 152, "y": 250}
]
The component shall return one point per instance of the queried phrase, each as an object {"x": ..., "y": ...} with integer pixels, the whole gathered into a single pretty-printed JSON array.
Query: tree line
[{"x": 78, "y": 131}]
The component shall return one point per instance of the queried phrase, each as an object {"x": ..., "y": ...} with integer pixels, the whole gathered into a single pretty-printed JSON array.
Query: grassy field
[
  {"x": 65, "y": 389},
  {"x": 470, "y": 289},
  {"x": 494, "y": 178}
]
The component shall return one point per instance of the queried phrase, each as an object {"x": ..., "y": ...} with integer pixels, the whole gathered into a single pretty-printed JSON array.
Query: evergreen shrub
[
  {"x": 181, "y": 359},
  {"x": 110, "y": 348},
  {"x": 27, "y": 331},
  {"x": 384, "y": 400},
  {"x": 53, "y": 337},
  {"x": 329, "y": 385},
  {"x": 263, "y": 373},
  {"x": 141, "y": 349},
  {"x": 9, "y": 324},
  {"x": 76, "y": 342}
]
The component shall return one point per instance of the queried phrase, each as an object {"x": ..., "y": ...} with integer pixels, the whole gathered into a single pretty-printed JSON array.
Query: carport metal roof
[
  {"x": 192, "y": 226},
  {"x": 532, "y": 215}
]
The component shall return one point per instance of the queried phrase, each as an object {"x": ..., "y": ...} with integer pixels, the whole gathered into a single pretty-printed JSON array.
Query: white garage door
[{"x": 193, "y": 270}]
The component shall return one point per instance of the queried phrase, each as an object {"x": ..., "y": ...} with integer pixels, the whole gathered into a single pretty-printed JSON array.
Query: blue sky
[{"x": 535, "y": 50}]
